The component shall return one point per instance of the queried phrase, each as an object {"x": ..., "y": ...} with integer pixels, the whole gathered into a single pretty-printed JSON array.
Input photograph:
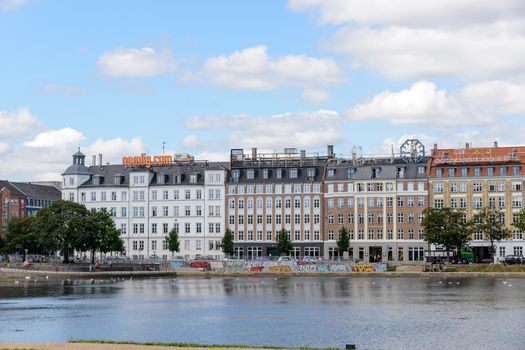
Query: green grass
[
  {"x": 391, "y": 268},
  {"x": 490, "y": 268},
  {"x": 192, "y": 345}
]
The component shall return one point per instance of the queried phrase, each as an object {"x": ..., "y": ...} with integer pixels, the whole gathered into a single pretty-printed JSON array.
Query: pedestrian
[
  {"x": 97, "y": 266},
  {"x": 90, "y": 267}
]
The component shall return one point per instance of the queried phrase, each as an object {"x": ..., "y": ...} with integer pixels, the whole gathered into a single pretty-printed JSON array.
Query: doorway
[{"x": 375, "y": 254}]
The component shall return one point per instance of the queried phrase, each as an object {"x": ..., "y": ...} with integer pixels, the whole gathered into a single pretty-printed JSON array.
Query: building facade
[
  {"x": 12, "y": 204},
  {"x": 266, "y": 193},
  {"x": 147, "y": 201},
  {"x": 472, "y": 178},
  {"x": 380, "y": 202}
]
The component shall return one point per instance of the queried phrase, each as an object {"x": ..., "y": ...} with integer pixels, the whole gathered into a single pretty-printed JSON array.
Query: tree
[
  {"x": 490, "y": 222},
  {"x": 173, "y": 241},
  {"x": 447, "y": 227},
  {"x": 284, "y": 245},
  {"x": 99, "y": 225},
  {"x": 111, "y": 241},
  {"x": 343, "y": 243},
  {"x": 20, "y": 238},
  {"x": 60, "y": 226},
  {"x": 227, "y": 243},
  {"x": 520, "y": 224}
]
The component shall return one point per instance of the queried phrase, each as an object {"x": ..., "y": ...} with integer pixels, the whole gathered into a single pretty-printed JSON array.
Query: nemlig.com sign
[{"x": 147, "y": 161}]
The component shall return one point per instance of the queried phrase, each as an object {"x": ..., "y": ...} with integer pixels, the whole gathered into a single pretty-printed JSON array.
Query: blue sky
[{"x": 120, "y": 77}]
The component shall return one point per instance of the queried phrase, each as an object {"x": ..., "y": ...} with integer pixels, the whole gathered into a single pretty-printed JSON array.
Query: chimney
[
  {"x": 435, "y": 147},
  {"x": 94, "y": 160},
  {"x": 303, "y": 154},
  {"x": 100, "y": 159},
  {"x": 254, "y": 153},
  {"x": 495, "y": 144},
  {"x": 467, "y": 145},
  {"x": 330, "y": 151}
]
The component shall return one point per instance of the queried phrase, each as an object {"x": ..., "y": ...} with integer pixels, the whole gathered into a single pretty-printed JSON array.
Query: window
[
  {"x": 187, "y": 194},
  {"x": 331, "y": 172},
  {"x": 438, "y": 203},
  {"x": 438, "y": 172},
  {"x": 451, "y": 172},
  {"x": 293, "y": 173},
  {"x": 477, "y": 171},
  {"x": 503, "y": 171},
  {"x": 187, "y": 227},
  {"x": 490, "y": 171},
  {"x": 265, "y": 173},
  {"x": 478, "y": 202},
  {"x": 464, "y": 172},
  {"x": 516, "y": 186},
  {"x": 477, "y": 187},
  {"x": 250, "y": 174},
  {"x": 438, "y": 188}
]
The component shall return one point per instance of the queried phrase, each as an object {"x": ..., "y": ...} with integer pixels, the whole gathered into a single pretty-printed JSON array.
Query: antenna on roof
[{"x": 163, "y": 146}]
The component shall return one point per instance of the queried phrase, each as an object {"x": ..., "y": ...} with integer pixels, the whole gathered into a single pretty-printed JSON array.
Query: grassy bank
[
  {"x": 486, "y": 268},
  {"x": 191, "y": 345}
]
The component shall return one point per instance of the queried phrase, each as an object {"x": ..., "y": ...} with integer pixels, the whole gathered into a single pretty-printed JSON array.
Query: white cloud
[
  {"x": 253, "y": 69},
  {"x": 423, "y": 104},
  {"x": 302, "y": 129},
  {"x": 316, "y": 95},
  {"x": 18, "y": 123},
  {"x": 62, "y": 138},
  {"x": 190, "y": 142},
  {"x": 4, "y": 147},
  {"x": 478, "y": 52},
  {"x": 410, "y": 12},
  {"x": 414, "y": 39},
  {"x": 11, "y": 4},
  {"x": 143, "y": 62},
  {"x": 114, "y": 149},
  {"x": 214, "y": 156}
]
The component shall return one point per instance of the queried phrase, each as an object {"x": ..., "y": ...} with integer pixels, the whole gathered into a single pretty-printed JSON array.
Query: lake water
[{"x": 373, "y": 313}]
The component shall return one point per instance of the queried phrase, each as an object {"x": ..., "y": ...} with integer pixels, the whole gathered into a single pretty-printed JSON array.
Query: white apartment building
[{"x": 148, "y": 202}]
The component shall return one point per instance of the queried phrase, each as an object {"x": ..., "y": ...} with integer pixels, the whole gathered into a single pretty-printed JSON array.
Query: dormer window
[
  {"x": 117, "y": 179},
  {"x": 193, "y": 178},
  {"x": 331, "y": 172},
  {"x": 250, "y": 174},
  {"x": 235, "y": 175},
  {"x": 177, "y": 179},
  {"x": 421, "y": 170},
  {"x": 265, "y": 173},
  {"x": 375, "y": 172},
  {"x": 350, "y": 174},
  {"x": 279, "y": 173},
  {"x": 161, "y": 179},
  {"x": 97, "y": 179},
  {"x": 311, "y": 172},
  {"x": 401, "y": 172},
  {"x": 293, "y": 173}
]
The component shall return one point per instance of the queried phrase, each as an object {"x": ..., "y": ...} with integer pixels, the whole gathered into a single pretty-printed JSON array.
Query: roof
[
  {"x": 388, "y": 169},
  {"x": 77, "y": 169},
  {"x": 35, "y": 191},
  {"x": 181, "y": 172},
  {"x": 479, "y": 155},
  {"x": 14, "y": 191},
  {"x": 259, "y": 174}
]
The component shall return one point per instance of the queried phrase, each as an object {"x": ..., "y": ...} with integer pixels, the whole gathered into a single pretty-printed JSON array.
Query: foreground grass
[
  {"x": 191, "y": 345},
  {"x": 489, "y": 268}
]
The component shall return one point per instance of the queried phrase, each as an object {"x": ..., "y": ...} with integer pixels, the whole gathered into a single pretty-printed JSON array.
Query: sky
[{"x": 122, "y": 77}]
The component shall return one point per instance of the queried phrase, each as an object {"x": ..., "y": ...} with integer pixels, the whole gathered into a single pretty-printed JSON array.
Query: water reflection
[{"x": 379, "y": 313}]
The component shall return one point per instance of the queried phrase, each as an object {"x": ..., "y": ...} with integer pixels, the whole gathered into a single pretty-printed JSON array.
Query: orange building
[{"x": 472, "y": 178}]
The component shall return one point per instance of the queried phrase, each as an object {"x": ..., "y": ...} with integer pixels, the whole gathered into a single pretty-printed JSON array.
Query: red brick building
[{"x": 12, "y": 204}]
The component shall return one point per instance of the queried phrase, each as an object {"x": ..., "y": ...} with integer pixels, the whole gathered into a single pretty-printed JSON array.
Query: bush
[{"x": 391, "y": 268}]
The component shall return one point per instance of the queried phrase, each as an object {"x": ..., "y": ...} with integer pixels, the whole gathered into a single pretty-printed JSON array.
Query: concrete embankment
[{"x": 8, "y": 274}]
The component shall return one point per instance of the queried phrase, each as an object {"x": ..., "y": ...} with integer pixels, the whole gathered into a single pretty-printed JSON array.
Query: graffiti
[
  {"x": 323, "y": 268},
  {"x": 256, "y": 268},
  {"x": 217, "y": 266},
  {"x": 200, "y": 265},
  {"x": 363, "y": 268},
  {"x": 307, "y": 268},
  {"x": 279, "y": 269},
  {"x": 177, "y": 264},
  {"x": 338, "y": 268}
]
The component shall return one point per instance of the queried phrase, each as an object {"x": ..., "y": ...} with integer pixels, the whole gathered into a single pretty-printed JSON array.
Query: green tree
[
  {"x": 173, "y": 241},
  {"x": 520, "y": 224},
  {"x": 60, "y": 226},
  {"x": 284, "y": 245},
  {"x": 99, "y": 224},
  {"x": 343, "y": 242},
  {"x": 20, "y": 238},
  {"x": 447, "y": 227},
  {"x": 490, "y": 222},
  {"x": 111, "y": 241},
  {"x": 227, "y": 243}
]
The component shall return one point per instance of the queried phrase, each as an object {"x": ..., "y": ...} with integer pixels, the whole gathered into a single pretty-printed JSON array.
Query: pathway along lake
[{"x": 373, "y": 313}]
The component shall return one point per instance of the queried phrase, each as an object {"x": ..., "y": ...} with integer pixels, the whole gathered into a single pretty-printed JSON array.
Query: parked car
[{"x": 514, "y": 259}]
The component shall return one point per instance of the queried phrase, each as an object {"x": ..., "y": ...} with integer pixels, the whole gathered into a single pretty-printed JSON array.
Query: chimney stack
[
  {"x": 94, "y": 160},
  {"x": 495, "y": 144},
  {"x": 467, "y": 145},
  {"x": 330, "y": 151},
  {"x": 100, "y": 159},
  {"x": 254, "y": 153}
]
